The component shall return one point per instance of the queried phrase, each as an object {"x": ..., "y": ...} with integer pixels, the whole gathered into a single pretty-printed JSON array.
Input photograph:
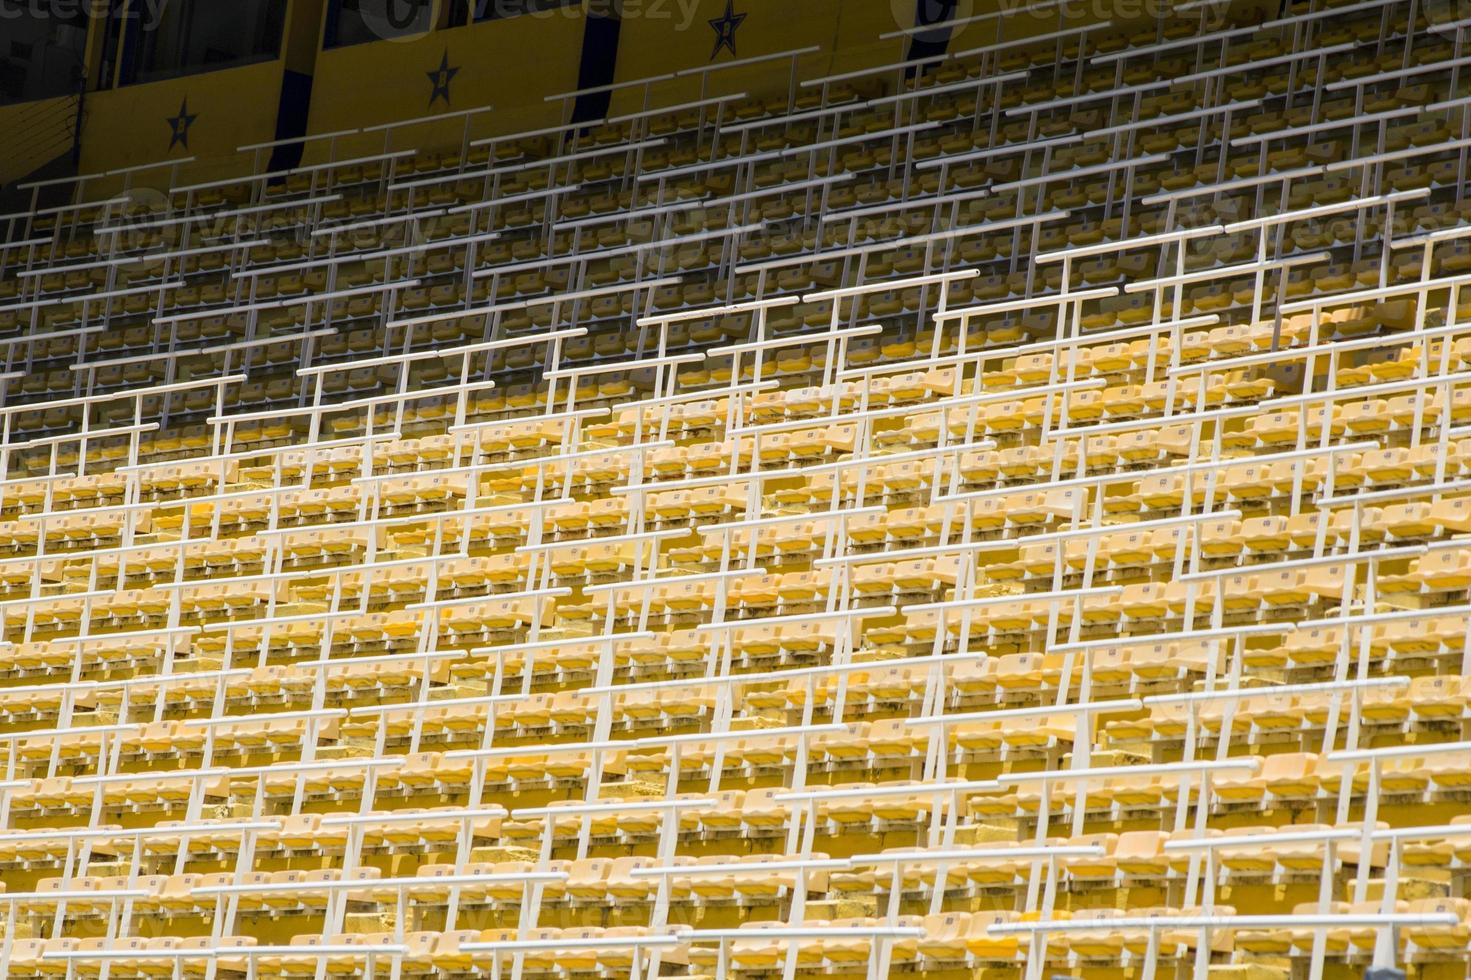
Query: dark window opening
[
  {"x": 360, "y": 21},
  {"x": 45, "y": 44},
  {"x": 187, "y": 36}
]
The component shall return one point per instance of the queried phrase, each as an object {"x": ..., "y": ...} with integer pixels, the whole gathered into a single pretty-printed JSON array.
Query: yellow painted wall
[
  {"x": 661, "y": 36},
  {"x": 234, "y": 106},
  {"x": 514, "y": 64},
  {"x": 511, "y": 64}
]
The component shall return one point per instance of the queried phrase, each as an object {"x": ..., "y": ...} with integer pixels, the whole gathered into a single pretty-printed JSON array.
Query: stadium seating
[{"x": 1008, "y": 518}]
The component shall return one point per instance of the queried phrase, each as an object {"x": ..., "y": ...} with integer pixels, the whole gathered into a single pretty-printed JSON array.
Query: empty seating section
[{"x": 1012, "y": 518}]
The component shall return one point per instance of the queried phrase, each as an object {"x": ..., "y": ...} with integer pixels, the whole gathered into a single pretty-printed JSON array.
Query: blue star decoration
[
  {"x": 440, "y": 79},
  {"x": 725, "y": 28},
  {"x": 179, "y": 125}
]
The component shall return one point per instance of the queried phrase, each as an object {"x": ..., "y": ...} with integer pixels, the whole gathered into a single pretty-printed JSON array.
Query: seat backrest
[
  {"x": 945, "y": 925},
  {"x": 591, "y": 869},
  {"x": 1140, "y": 843},
  {"x": 1459, "y": 907},
  {"x": 449, "y": 942},
  {"x": 981, "y": 922},
  {"x": 1289, "y": 765}
]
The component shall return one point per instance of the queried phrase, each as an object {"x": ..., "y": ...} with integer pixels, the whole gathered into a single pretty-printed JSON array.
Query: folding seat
[
  {"x": 78, "y": 886},
  {"x": 1290, "y": 774},
  {"x": 1039, "y": 732},
  {"x": 417, "y": 960},
  {"x": 1451, "y": 514},
  {"x": 1281, "y": 428},
  {"x": 92, "y": 965},
  {"x": 1141, "y": 854},
  {"x": 1439, "y": 698},
  {"x": 1004, "y": 947},
  {"x": 1356, "y": 940},
  {"x": 26, "y": 956},
  {"x": 759, "y": 812},
  {"x": 1268, "y": 535},
  {"x": 1448, "y": 771},
  {"x": 1386, "y": 466},
  {"x": 1436, "y": 853},
  {"x": 944, "y": 937},
  {"x": 838, "y": 951},
  {"x": 1164, "y": 491},
  {"x": 1262, "y": 856},
  {"x": 1104, "y": 942},
  {"x": 1220, "y": 539},
  {"x": 1280, "y": 942},
  {"x": 1382, "y": 706},
  {"x": 1276, "y": 713},
  {"x": 754, "y": 953},
  {"x": 1306, "y": 857},
  {"x": 340, "y": 964},
  {"x": 1406, "y": 521},
  {"x": 1443, "y": 569},
  {"x": 1440, "y": 938},
  {"x": 588, "y": 880},
  {"x": 1418, "y": 638}
]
